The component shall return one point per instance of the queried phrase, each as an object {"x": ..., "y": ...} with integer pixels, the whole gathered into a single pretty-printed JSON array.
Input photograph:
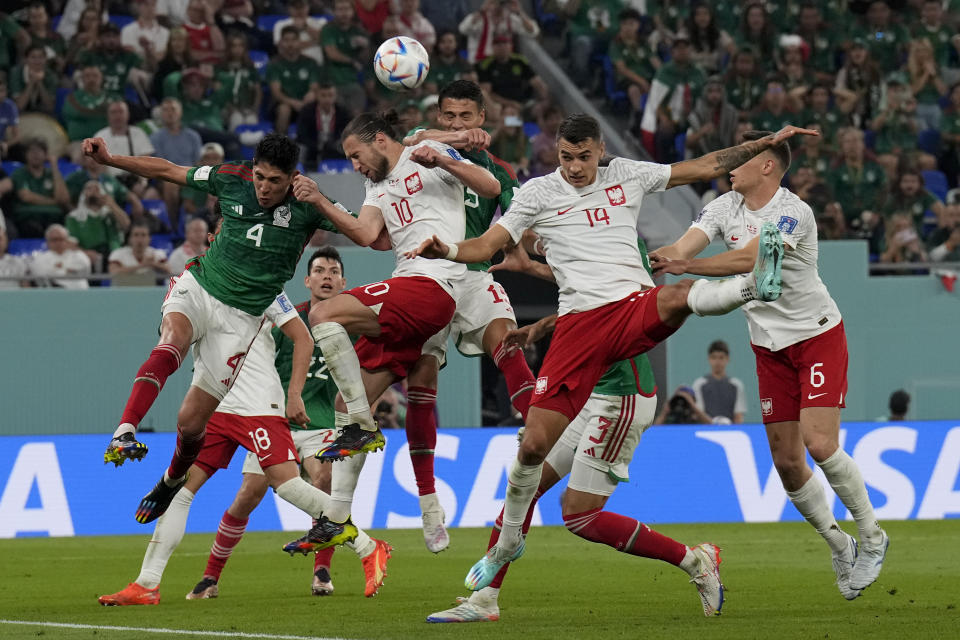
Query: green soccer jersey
[
  {"x": 351, "y": 42},
  {"x": 79, "y": 178},
  {"x": 114, "y": 67},
  {"x": 319, "y": 390},
  {"x": 85, "y": 113},
  {"x": 480, "y": 211},
  {"x": 9, "y": 28},
  {"x": 206, "y": 112},
  {"x": 295, "y": 76},
  {"x": 443, "y": 73},
  {"x": 256, "y": 251},
  {"x": 42, "y": 185},
  {"x": 633, "y": 375},
  {"x": 238, "y": 85}
]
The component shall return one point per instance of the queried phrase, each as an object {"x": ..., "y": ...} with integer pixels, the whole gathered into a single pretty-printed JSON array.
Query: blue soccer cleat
[
  {"x": 483, "y": 573},
  {"x": 124, "y": 447},
  {"x": 766, "y": 270}
]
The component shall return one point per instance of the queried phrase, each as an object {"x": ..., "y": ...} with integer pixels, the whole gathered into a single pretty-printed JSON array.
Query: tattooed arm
[{"x": 719, "y": 163}]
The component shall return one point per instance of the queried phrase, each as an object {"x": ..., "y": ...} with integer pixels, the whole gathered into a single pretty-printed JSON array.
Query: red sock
[
  {"x": 519, "y": 378},
  {"x": 422, "y": 436},
  {"x": 163, "y": 361},
  {"x": 188, "y": 448},
  {"x": 495, "y": 535},
  {"x": 625, "y": 534},
  {"x": 322, "y": 558},
  {"x": 228, "y": 536}
]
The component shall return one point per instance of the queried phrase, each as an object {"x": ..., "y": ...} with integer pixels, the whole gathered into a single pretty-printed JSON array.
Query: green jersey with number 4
[
  {"x": 257, "y": 250},
  {"x": 634, "y": 375},
  {"x": 319, "y": 391}
]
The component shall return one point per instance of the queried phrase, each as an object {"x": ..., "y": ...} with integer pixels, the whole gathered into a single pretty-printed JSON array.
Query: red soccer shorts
[
  {"x": 411, "y": 309},
  {"x": 266, "y": 436},
  {"x": 585, "y": 344},
  {"x": 810, "y": 373}
]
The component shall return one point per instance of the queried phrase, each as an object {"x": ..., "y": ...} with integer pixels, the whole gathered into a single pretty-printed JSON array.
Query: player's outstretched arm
[
  {"x": 727, "y": 263},
  {"x": 363, "y": 229},
  {"x": 144, "y": 166},
  {"x": 471, "y": 175},
  {"x": 517, "y": 259},
  {"x": 477, "y": 249},
  {"x": 530, "y": 333},
  {"x": 673, "y": 258},
  {"x": 466, "y": 140},
  {"x": 719, "y": 163},
  {"x": 298, "y": 333}
]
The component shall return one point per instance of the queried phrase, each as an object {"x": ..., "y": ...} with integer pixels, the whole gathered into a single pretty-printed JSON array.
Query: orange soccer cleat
[
  {"x": 131, "y": 594},
  {"x": 375, "y": 567}
]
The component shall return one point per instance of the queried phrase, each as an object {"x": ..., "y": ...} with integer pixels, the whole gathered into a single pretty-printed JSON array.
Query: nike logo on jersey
[
  {"x": 567, "y": 210},
  {"x": 810, "y": 396},
  {"x": 262, "y": 458},
  {"x": 734, "y": 238}
]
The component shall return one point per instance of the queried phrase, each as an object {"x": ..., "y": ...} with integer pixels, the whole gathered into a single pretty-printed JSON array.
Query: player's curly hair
[
  {"x": 578, "y": 127},
  {"x": 367, "y": 125},
  {"x": 278, "y": 150},
  {"x": 462, "y": 90}
]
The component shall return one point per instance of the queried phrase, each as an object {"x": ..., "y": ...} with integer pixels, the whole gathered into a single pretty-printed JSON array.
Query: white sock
[
  {"x": 690, "y": 564},
  {"x": 717, "y": 297},
  {"x": 340, "y": 419},
  {"x": 167, "y": 534},
  {"x": 429, "y": 502},
  {"x": 485, "y": 597},
  {"x": 343, "y": 484},
  {"x": 126, "y": 427},
  {"x": 522, "y": 483},
  {"x": 344, "y": 367},
  {"x": 363, "y": 545},
  {"x": 811, "y": 502},
  {"x": 844, "y": 476},
  {"x": 304, "y": 496}
]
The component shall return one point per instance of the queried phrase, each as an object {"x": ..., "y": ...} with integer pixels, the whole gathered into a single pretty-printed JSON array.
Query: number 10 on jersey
[{"x": 403, "y": 211}]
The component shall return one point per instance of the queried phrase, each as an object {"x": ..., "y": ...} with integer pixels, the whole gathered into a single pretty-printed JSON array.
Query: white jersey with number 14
[
  {"x": 418, "y": 203},
  {"x": 590, "y": 234}
]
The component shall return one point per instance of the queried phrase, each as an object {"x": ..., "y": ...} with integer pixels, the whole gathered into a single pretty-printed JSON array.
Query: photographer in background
[{"x": 682, "y": 408}]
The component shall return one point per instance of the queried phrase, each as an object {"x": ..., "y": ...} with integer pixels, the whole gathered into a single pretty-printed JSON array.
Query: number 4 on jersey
[{"x": 255, "y": 233}]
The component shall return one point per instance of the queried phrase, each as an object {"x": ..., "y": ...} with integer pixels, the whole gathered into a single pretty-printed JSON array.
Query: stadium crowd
[{"x": 201, "y": 81}]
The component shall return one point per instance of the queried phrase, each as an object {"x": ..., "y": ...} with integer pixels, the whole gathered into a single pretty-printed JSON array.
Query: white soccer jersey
[
  {"x": 590, "y": 234},
  {"x": 804, "y": 308},
  {"x": 418, "y": 203},
  {"x": 257, "y": 390}
]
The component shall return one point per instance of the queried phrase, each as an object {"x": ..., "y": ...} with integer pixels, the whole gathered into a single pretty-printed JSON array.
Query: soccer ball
[{"x": 401, "y": 64}]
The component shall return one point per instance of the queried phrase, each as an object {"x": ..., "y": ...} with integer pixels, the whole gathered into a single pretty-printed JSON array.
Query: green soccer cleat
[
  {"x": 766, "y": 271},
  {"x": 156, "y": 503},
  {"x": 124, "y": 447},
  {"x": 326, "y": 533},
  {"x": 351, "y": 441},
  {"x": 483, "y": 573}
]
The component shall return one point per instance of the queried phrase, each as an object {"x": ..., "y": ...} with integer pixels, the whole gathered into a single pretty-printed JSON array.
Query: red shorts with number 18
[
  {"x": 266, "y": 436},
  {"x": 410, "y": 310},
  {"x": 810, "y": 373}
]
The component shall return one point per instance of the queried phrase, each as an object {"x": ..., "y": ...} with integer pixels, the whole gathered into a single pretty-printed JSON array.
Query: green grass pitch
[{"x": 778, "y": 576}]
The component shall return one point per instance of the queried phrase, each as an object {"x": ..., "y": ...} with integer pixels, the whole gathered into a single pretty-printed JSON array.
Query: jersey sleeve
[
  {"x": 710, "y": 219},
  {"x": 651, "y": 177},
  {"x": 372, "y": 194},
  {"x": 445, "y": 175},
  {"x": 205, "y": 179},
  {"x": 281, "y": 310},
  {"x": 523, "y": 212}
]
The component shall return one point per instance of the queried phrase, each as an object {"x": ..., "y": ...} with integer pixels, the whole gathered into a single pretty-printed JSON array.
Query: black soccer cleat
[
  {"x": 351, "y": 441},
  {"x": 326, "y": 533},
  {"x": 156, "y": 503}
]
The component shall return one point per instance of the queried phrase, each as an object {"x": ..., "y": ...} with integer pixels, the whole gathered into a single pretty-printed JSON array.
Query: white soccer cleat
[
  {"x": 322, "y": 583},
  {"x": 435, "y": 534},
  {"x": 869, "y": 562},
  {"x": 707, "y": 579},
  {"x": 473, "y": 609},
  {"x": 843, "y": 563}
]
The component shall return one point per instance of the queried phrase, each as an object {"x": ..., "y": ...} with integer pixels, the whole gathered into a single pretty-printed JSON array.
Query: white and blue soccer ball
[{"x": 401, "y": 63}]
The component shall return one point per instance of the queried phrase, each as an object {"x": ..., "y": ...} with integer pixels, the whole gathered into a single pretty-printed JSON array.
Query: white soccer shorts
[
  {"x": 597, "y": 447},
  {"x": 222, "y": 334}
]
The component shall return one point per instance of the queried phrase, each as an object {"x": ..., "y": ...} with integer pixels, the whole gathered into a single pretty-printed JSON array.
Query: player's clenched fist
[
  {"x": 432, "y": 248},
  {"x": 474, "y": 139},
  {"x": 96, "y": 148},
  {"x": 426, "y": 156},
  {"x": 304, "y": 189}
]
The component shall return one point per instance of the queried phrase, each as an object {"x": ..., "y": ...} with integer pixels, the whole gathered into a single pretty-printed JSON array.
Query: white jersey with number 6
[
  {"x": 590, "y": 234},
  {"x": 805, "y": 308},
  {"x": 418, "y": 203}
]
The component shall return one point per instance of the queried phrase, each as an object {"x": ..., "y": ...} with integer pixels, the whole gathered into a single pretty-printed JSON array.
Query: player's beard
[{"x": 382, "y": 168}]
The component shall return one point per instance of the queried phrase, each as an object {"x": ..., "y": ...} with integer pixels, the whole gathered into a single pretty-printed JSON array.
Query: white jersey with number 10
[
  {"x": 590, "y": 233},
  {"x": 417, "y": 203}
]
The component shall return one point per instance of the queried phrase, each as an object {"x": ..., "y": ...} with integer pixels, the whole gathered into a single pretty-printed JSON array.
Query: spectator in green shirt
[
  {"x": 11, "y": 33},
  {"x": 857, "y": 183},
  {"x": 926, "y": 82},
  {"x": 949, "y": 158},
  {"x": 590, "y": 28},
  {"x": 97, "y": 223},
  {"x": 634, "y": 62},
  {"x": 908, "y": 196},
  {"x": 38, "y": 27},
  {"x": 896, "y": 127},
  {"x": 115, "y": 62},
  {"x": 41, "y": 196},
  {"x": 203, "y": 108},
  {"x": 775, "y": 112},
  {"x": 239, "y": 83},
  {"x": 510, "y": 143},
  {"x": 743, "y": 85},
  {"x": 711, "y": 44},
  {"x": 33, "y": 85},
  {"x": 345, "y": 47},
  {"x": 757, "y": 32},
  {"x": 886, "y": 39},
  {"x": 820, "y": 111},
  {"x": 85, "y": 109},
  {"x": 293, "y": 78},
  {"x": 933, "y": 29},
  {"x": 859, "y": 85},
  {"x": 91, "y": 170},
  {"x": 820, "y": 38},
  {"x": 446, "y": 65}
]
